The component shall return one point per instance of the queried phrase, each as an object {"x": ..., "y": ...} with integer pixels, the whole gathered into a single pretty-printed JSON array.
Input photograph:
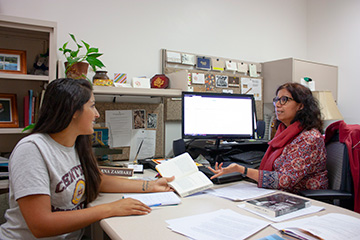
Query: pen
[
  {"x": 155, "y": 205},
  {"x": 135, "y": 159},
  {"x": 248, "y": 91}
]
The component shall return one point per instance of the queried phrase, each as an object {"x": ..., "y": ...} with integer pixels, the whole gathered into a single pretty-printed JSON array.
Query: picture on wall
[
  {"x": 8, "y": 111},
  {"x": 139, "y": 118},
  {"x": 12, "y": 61},
  {"x": 152, "y": 120}
]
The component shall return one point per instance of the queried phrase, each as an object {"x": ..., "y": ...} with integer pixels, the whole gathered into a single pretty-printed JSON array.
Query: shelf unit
[
  {"x": 125, "y": 91},
  {"x": 35, "y": 37}
]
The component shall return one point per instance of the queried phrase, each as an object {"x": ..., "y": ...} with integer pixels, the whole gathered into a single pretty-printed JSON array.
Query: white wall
[
  {"x": 333, "y": 37},
  {"x": 131, "y": 33}
]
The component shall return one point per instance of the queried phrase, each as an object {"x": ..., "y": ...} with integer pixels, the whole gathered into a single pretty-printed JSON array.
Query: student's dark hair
[
  {"x": 309, "y": 116},
  {"x": 63, "y": 97}
]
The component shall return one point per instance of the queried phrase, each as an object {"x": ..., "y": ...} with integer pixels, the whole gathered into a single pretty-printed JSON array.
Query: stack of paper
[
  {"x": 240, "y": 191},
  {"x": 220, "y": 224},
  {"x": 332, "y": 226}
]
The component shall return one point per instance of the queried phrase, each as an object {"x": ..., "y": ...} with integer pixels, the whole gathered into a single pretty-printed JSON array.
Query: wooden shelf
[
  {"x": 24, "y": 77},
  {"x": 124, "y": 91},
  {"x": 12, "y": 131}
]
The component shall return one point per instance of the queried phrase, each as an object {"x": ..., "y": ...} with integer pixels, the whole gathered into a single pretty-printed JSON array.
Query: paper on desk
[
  {"x": 239, "y": 192},
  {"x": 147, "y": 149},
  {"x": 331, "y": 226},
  {"x": 158, "y": 198},
  {"x": 298, "y": 213},
  {"x": 119, "y": 123},
  {"x": 220, "y": 224}
]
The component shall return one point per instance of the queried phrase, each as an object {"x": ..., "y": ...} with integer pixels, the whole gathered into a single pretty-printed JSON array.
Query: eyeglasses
[{"x": 283, "y": 100}]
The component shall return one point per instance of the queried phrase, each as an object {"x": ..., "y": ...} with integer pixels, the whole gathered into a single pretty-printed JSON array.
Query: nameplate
[{"x": 115, "y": 171}]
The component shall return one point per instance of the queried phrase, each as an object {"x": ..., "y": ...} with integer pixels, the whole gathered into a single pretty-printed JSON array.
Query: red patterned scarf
[{"x": 284, "y": 136}]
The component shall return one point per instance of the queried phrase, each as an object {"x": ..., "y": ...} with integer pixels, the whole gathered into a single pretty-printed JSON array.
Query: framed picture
[
  {"x": 8, "y": 111},
  {"x": 12, "y": 61}
]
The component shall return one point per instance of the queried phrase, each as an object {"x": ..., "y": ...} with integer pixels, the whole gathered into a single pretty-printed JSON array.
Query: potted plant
[{"x": 77, "y": 64}]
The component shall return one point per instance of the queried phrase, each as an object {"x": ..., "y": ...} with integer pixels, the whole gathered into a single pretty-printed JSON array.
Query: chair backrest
[
  {"x": 338, "y": 167},
  {"x": 334, "y": 164}
]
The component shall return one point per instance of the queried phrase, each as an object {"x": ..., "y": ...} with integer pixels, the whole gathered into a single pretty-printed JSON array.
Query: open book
[{"x": 188, "y": 178}]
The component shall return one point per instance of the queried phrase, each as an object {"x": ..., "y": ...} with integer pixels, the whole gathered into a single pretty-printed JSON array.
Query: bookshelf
[{"x": 35, "y": 37}]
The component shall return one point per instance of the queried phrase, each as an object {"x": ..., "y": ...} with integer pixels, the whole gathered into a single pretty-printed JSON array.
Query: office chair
[{"x": 340, "y": 190}]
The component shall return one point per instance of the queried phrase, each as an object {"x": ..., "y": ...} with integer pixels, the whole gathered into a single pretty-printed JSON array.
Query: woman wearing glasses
[{"x": 296, "y": 157}]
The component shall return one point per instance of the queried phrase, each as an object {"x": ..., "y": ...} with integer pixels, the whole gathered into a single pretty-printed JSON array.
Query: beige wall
[{"x": 132, "y": 32}]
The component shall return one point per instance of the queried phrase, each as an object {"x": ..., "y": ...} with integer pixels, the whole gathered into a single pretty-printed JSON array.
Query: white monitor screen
[{"x": 216, "y": 115}]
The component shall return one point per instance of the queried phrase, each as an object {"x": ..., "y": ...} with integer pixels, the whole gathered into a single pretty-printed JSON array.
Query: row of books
[{"x": 32, "y": 103}]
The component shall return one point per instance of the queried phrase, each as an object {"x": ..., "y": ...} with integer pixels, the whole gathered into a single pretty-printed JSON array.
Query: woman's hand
[
  {"x": 161, "y": 184},
  {"x": 128, "y": 206},
  {"x": 219, "y": 170}
]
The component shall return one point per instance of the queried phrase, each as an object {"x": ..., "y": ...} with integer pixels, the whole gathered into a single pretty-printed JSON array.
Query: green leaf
[
  {"x": 94, "y": 55},
  {"x": 67, "y": 51},
  {"x": 86, "y": 45},
  {"x": 31, "y": 126},
  {"x": 73, "y": 37},
  {"x": 95, "y": 63},
  {"x": 91, "y": 50}
]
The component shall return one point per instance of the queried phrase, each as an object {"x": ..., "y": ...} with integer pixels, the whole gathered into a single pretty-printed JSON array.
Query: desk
[{"x": 153, "y": 225}]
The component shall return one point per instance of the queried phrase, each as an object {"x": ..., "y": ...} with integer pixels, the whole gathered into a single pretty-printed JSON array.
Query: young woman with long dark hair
[{"x": 54, "y": 173}]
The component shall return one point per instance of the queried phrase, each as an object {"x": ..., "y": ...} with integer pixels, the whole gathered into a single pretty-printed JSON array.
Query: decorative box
[{"x": 159, "y": 81}]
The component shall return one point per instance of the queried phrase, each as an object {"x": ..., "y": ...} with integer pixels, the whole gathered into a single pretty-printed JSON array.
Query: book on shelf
[
  {"x": 26, "y": 111},
  {"x": 188, "y": 179},
  {"x": 277, "y": 204}
]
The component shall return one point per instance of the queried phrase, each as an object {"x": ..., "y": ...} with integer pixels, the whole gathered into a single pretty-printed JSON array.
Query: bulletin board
[
  {"x": 157, "y": 109},
  {"x": 171, "y": 65}
]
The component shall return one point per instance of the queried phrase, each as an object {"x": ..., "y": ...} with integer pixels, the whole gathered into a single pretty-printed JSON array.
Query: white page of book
[
  {"x": 153, "y": 199},
  {"x": 240, "y": 191},
  {"x": 331, "y": 226},
  {"x": 220, "y": 224},
  {"x": 197, "y": 179},
  {"x": 301, "y": 212},
  {"x": 179, "y": 166}
]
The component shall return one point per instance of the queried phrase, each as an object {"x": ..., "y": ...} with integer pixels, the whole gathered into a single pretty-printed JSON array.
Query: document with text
[{"x": 220, "y": 224}]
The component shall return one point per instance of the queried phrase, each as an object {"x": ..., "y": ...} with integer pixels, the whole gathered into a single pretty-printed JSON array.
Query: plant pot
[{"x": 77, "y": 71}]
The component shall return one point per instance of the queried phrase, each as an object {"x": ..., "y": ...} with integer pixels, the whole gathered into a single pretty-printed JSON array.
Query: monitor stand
[{"x": 217, "y": 150}]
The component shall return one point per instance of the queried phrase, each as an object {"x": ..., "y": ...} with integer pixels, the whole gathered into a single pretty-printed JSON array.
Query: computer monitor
[{"x": 217, "y": 116}]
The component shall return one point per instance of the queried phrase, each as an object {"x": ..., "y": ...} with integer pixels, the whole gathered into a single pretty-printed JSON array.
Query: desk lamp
[{"x": 328, "y": 107}]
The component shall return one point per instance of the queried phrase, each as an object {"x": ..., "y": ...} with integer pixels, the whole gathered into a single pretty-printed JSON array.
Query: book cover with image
[{"x": 277, "y": 204}]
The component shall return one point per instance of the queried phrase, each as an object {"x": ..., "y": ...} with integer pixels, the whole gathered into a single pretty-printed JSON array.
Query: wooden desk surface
[{"x": 154, "y": 226}]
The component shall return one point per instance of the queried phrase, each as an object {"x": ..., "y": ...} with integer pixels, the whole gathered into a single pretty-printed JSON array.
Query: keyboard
[
  {"x": 251, "y": 157},
  {"x": 226, "y": 178}
]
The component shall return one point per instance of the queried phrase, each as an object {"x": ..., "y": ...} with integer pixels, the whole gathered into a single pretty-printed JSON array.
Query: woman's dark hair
[
  {"x": 63, "y": 97},
  {"x": 309, "y": 116}
]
